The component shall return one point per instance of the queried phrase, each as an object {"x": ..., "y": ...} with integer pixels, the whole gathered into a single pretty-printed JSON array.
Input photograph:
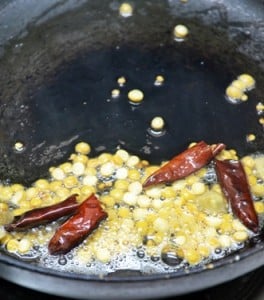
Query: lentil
[
  {"x": 250, "y": 137},
  {"x": 126, "y": 10},
  {"x": 248, "y": 80},
  {"x": 261, "y": 121},
  {"x": 83, "y": 148},
  {"x": 236, "y": 90},
  {"x": 159, "y": 80},
  {"x": 136, "y": 96},
  {"x": 19, "y": 146},
  {"x": 157, "y": 123},
  {"x": 180, "y": 31},
  {"x": 260, "y": 108},
  {"x": 121, "y": 81},
  {"x": 136, "y": 215},
  {"x": 115, "y": 93},
  {"x": 58, "y": 174}
]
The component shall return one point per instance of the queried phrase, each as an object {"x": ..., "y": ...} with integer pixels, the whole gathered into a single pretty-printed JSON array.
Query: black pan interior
[{"x": 56, "y": 84}]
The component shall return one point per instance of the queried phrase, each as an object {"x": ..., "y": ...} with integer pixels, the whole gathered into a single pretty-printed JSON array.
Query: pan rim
[{"x": 149, "y": 287}]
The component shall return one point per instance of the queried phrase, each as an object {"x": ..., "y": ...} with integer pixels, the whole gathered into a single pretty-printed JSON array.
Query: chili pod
[
  {"x": 43, "y": 215},
  {"x": 184, "y": 164},
  {"x": 78, "y": 227},
  {"x": 233, "y": 181}
]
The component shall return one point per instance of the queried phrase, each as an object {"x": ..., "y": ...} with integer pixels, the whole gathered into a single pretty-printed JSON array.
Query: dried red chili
[
  {"x": 233, "y": 181},
  {"x": 43, "y": 215},
  {"x": 185, "y": 163},
  {"x": 78, "y": 227}
]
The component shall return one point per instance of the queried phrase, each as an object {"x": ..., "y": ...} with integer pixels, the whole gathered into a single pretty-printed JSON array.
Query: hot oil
[
  {"x": 191, "y": 100},
  {"x": 128, "y": 261}
]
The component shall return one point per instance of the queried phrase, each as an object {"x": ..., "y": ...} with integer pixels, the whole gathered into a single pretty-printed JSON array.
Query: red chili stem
[
  {"x": 234, "y": 184},
  {"x": 216, "y": 149},
  {"x": 184, "y": 164},
  {"x": 43, "y": 215},
  {"x": 78, "y": 227}
]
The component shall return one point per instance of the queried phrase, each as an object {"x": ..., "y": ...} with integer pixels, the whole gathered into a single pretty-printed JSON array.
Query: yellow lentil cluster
[
  {"x": 236, "y": 90},
  {"x": 188, "y": 217}
]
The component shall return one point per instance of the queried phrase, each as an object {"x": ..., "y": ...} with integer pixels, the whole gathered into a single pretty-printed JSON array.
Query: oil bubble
[
  {"x": 62, "y": 261},
  {"x": 170, "y": 256},
  {"x": 141, "y": 253},
  {"x": 218, "y": 251},
  {"x": 155, "y": 258}
]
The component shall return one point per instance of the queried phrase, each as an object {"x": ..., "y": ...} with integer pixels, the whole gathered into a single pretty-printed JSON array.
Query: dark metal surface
[
  {"x": 56, "y": 82},
  {"x": 247, "y": 287}
]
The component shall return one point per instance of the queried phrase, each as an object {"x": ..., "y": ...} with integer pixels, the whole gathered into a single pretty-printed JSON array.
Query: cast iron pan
[{"x": 60, "y": 61}]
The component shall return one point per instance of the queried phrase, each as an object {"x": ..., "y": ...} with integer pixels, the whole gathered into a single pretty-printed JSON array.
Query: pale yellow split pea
[
  {"x": 250, "y": 137},
  {"x": 157, "y": 123},
  {"x": 126, "y": 10},
  {"x": 19, "y": 146},
  {"x": 248, "y": 81},
  {"x": 260, "y": 107},
  {"x": 121, "y": 81},
  {"x": 261, "y": 121},
  {"x": 233, "y": 92},
  {"x": 159, "y": 80},
  {"x": 135, "y": 96},
  {"x": 236, "y": 90},
  {"x": 180, "y": 31},
  {"x": 115, "y": 93},
  {"x": 83, "y": 148}
]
